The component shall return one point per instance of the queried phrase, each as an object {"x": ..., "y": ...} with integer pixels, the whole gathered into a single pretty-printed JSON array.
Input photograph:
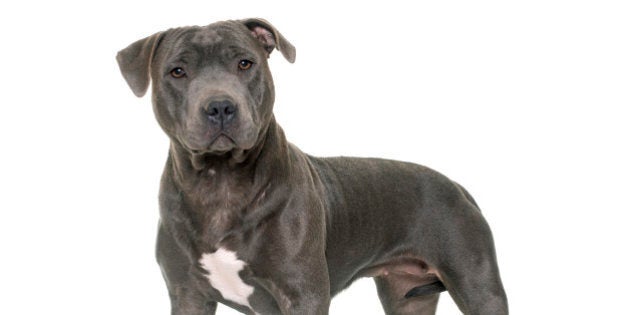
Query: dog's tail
[{"x": 427, "y": 289}]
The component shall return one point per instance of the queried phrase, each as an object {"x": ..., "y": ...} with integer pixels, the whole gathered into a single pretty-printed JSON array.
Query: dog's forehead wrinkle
[
  {"x": 214, "y": 33},
  {"x": 206, "y": 37}
]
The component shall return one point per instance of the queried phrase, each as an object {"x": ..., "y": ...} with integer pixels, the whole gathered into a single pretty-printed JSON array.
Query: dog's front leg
[
  {"x": 301, "y": 288},
  {"x": 190, "y": 302},
  {"x": 186, "y": 299},
  {"x": 293, "y": 266}
]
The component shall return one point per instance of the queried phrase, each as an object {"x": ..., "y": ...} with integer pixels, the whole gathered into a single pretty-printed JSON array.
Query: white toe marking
[{"x": 223, "y": 267}]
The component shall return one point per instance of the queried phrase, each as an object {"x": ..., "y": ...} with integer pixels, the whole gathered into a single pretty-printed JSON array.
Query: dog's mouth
[
  {"x": 219, "y": 145},
  {"x": 222, "y": 143}
]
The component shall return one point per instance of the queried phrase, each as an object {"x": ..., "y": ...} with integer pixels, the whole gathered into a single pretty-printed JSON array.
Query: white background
[{"x": 523, "y": 102}]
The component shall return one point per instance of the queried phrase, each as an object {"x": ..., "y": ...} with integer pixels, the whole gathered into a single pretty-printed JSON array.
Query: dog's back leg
[{"x": 392, "y": 291}]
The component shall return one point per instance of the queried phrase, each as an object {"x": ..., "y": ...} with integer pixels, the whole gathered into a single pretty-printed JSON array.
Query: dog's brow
[
  {"x": 233, "y": 51},
  {"x": 184, "y": 56}
]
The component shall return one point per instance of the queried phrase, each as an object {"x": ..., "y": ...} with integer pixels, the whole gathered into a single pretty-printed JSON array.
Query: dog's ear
[
  {"x": 135, "y": 63},
  {"x": 270, "y": 38}
]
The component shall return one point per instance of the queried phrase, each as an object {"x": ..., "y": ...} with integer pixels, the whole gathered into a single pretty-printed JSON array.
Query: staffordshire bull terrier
[{"x": 250, "y": 221}]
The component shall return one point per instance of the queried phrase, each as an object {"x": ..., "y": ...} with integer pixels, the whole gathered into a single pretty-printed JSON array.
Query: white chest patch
[{"x": 223, "y": 267}]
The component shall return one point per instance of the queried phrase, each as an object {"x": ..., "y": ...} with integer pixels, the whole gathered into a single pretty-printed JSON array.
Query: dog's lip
[
  {"x": 222, "y": 143},
  {"x": 228, "y": 145},
  {"x": 222, "y": 135}
]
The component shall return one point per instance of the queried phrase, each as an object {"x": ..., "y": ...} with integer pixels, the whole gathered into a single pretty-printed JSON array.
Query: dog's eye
[
  {"x": 178, "y": 73},
  {"x": 245, "y": 64}
]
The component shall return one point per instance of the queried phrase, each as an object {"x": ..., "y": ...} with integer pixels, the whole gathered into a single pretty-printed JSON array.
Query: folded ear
[
  {"x": 135, "y": 63},
  {"x": 270, "y": 37}
]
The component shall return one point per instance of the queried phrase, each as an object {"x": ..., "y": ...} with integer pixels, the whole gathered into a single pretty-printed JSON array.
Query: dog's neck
[{"x": 221, "y": 191}]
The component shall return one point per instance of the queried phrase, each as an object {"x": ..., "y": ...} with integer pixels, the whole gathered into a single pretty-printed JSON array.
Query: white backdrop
[{"x": 524, "y": 103}]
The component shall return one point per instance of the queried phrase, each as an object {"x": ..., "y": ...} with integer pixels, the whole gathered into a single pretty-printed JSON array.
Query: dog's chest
[
  {"x": 215, "y": 207},
  {"x": 223, "y": 267}
]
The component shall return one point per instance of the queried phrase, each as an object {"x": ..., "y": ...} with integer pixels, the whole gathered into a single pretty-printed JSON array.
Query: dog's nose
[{"x": 221, "y": 111}]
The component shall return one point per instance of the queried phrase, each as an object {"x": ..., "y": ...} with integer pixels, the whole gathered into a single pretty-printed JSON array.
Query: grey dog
[{"x": 250, "y": 221}]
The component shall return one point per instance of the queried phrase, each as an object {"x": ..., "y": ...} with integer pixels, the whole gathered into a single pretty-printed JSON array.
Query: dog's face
[{"x": 212, "y": 88}]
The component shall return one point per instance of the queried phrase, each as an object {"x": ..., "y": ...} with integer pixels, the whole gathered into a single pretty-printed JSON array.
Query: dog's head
[{"x": 212, "y": 88}]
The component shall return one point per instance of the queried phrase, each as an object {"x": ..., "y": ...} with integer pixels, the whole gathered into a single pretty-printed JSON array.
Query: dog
[{"x": 250, "y": 221}]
